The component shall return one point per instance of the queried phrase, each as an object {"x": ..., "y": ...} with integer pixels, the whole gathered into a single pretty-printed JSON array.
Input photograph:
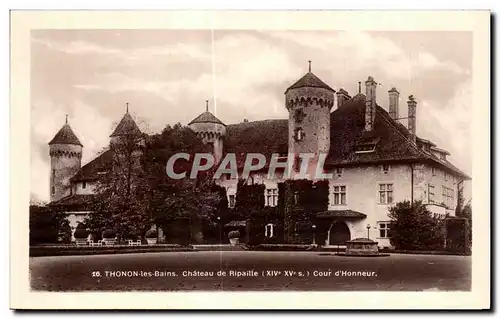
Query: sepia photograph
[{"x": 225, "y": 158}]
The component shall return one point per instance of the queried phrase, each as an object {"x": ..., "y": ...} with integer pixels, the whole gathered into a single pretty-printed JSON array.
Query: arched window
[{"x": 269, "y": 230}]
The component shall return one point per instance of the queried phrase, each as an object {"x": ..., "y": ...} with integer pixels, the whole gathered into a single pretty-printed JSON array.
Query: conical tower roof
[
  {"x": 65, "y": 136},
  {"x": 127, "y": 126},
  {"x": 206, "y": 117},
  {"x": 310, "y": 80}
]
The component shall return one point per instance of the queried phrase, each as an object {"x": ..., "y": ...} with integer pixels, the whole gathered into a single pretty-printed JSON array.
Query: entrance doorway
[{"x": 339, "y": 234}]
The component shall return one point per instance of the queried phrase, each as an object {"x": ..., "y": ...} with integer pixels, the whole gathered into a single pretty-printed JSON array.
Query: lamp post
[
  {"x": 220, "y": 230},
  {"x": 368, "y": 230},
  {"x": 314, "y": 234}
]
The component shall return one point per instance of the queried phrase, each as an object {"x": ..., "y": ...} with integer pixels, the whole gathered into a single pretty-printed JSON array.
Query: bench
[
  {"x": 134, "y": 242},
  {"x": 108, "y": 242},
  {"x": 92, "y": 243}
]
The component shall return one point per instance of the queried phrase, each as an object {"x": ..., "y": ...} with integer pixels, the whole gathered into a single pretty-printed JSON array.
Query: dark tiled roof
[
  {"x": 348, "y": 213},
  {"x": 310, "y": 80},
  {"x": 264, "y": 137},
  {"x": 74, "y": 202},
  {"x": 127, "y": 126},
  {"x": 65, "y": 136},
  {"x": 93, "y": 169},
  {"x": 347, "y": 132},
  {"x": 206, "y": 117},
  {"x": 392, "y": 139}
]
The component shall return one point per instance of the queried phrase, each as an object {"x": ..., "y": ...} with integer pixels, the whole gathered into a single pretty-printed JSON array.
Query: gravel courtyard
[{"x": 249, "y": 271}]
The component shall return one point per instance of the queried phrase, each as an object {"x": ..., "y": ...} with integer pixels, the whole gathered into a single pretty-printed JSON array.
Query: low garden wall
[
  {"x": 67, "y": 250},
  {"x": 298, "y": 247}
]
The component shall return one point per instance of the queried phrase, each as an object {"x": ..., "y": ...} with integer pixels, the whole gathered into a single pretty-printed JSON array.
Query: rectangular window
[
  {"x": 385, "y": 193},
  {"x": 445, "y": 176},
  {"x": 232, "y": 201},
  {"x": 84, "y": 185},
  {"x": 433, "y": 171},
  {"x": 272, "y": 197},
  {"x": 383, "y": 228},
  {"x": 53, "y": 190},
  {"x": 430, "y": 193},
  {"x": 448, "y": 196},
  {"x": 339, "y": 195}
]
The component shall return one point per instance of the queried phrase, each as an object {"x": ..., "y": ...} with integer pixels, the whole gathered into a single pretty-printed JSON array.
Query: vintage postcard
[{"x": 250, "y": 159}]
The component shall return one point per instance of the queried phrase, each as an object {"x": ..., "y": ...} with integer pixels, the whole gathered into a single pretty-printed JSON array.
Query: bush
[
  {"x": 81, "y": 233},
  {"x": 47, "y": 226},
  {"x": 233, "y": 234},
  {"x": 108, "y": 233},
  {"x": 414, "y": 228},
  {"x": 151, "y": 234}
]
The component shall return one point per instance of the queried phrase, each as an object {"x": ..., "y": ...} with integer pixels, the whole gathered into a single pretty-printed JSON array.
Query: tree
[
  {"x": 121, "y": 201},
  {"x": 194, "y": 202},
  {"x": 465, "y": 212},
  {"x": 48, "y": 226},
  {"x": 413, "y": 227}
]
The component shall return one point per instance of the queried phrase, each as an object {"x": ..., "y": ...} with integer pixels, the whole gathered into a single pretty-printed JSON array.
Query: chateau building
[{"x": 375, "y": 160}]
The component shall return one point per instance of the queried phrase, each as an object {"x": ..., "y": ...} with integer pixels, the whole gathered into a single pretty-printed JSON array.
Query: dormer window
[
  {"x": 338, "y": 171},
  {"x": 299, "y": 134},
  {"x": 365, "y": 148},
  {"x": 386, "y": 168}
]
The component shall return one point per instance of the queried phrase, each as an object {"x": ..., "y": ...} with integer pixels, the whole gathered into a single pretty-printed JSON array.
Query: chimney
[
  {"x": 412, "y": 115},
  {"x": 371, "y": 103},
  {"x": 394, "y": 103},
  {"x": 342, "y": 98}
]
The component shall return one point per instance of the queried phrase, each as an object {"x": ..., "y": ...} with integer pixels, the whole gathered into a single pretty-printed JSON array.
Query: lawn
[{"x": 249, "y": 271}]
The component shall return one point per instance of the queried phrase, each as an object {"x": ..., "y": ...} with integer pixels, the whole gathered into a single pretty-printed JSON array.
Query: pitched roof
[
  {"x": 93, "y": 169},
  {"x": 206, "y": 117},
  {"x": 265, "y": 137},
  {"x": 309, "y": 80},
  {"x": 392, "y": 139},
  {"x": 127, "y": 126},
  {"x": 74, "y": 202},
  {"x": 65, "y": 136}
]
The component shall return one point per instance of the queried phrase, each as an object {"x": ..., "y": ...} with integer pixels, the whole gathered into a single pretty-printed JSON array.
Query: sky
[{"x": 166, "y": 76}]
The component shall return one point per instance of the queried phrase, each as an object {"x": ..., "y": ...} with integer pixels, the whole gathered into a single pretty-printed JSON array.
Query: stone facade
[
  {"x": 366, "y": 186},
  {"x": 65, "y": 161}
]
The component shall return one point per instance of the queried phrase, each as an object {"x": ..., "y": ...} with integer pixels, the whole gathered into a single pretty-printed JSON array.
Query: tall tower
[
  {"x": 65, "y": 160},
  {"x": 125, "y": 143},
  {"x": 309, "y": 102},
  {"x": 211, "y": 130}
]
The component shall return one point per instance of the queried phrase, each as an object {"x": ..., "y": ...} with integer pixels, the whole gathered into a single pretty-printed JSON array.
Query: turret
[
  {"x": 65, "y": 152},
  {"x": 211, "y": 130},
  {"x": 309, "y": 102},
  {"x": 125, "y": 130}
]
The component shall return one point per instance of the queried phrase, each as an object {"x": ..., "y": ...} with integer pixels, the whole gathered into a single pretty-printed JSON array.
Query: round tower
[
  {"x": 211, "y": 130},
  {"x": 309, "y": 102},
  {"x": 65, "y": 152}
]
